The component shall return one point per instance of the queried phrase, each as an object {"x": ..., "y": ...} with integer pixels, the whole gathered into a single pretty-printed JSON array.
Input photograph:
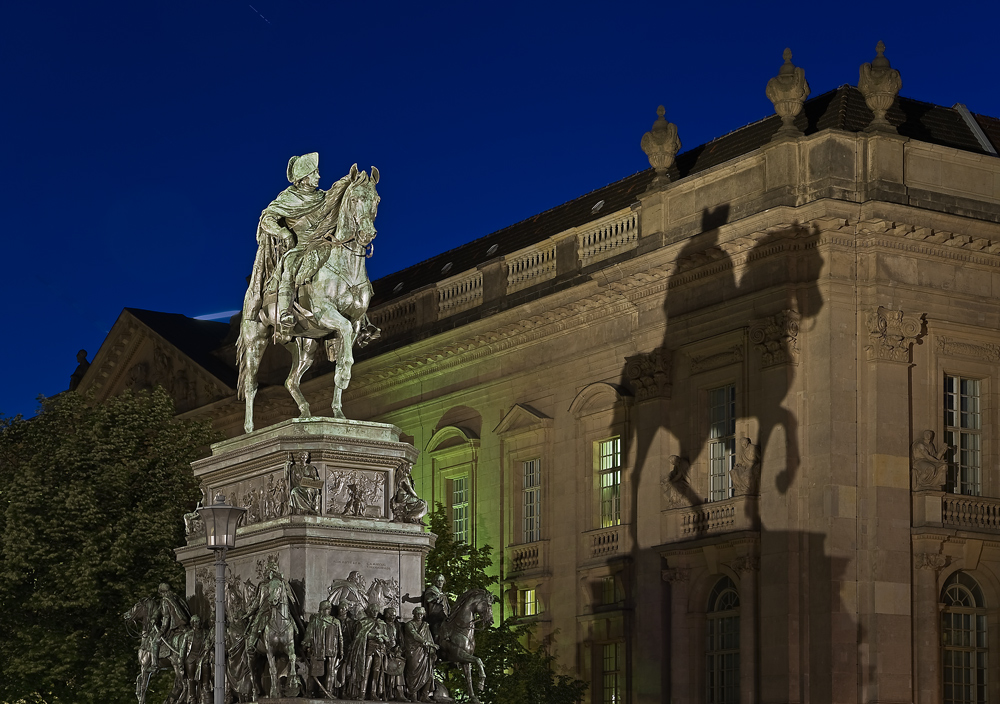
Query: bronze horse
[
  {"x": 155, "y": 652},
  {"x": 457, "y": 635},
  {"x": 331, "y": 307}
]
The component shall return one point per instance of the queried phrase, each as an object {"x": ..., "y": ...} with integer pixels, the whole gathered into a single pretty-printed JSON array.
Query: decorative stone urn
[
  {"x": 661, "y": 145},
  {"x": 880, "y": 84},
  {"x": 788, "y": 91}
]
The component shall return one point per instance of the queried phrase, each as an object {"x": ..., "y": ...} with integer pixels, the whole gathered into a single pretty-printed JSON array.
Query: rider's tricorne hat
[{"x": 301, "y": 166}]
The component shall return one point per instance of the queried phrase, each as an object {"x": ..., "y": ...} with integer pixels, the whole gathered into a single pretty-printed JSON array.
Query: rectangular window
[
  {"x": 531, "y": 504},
  {"x": 610, "y": 593},
  {"x": 609, "y": 471},
  {"x": 722, "y": 441},
  {"x": 611, "y": 670},
  {"x": 963, "y": 432},
  {"x": 460, "y": 508},
  {"x": 527, "y": 602}
]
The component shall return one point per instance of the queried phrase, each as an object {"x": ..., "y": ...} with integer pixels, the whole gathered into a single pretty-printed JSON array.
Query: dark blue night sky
[{"x": 142, "y": 139}]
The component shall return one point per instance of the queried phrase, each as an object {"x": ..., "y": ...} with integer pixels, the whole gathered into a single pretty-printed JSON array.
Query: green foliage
[
  {"x": 463, "y": 566},
  {"x": 516, "y": 673},
  {"x": 91, "y": 506}
]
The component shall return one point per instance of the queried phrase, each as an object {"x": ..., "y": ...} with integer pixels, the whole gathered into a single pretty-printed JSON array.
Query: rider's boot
[{"x": 286, "y": 319}]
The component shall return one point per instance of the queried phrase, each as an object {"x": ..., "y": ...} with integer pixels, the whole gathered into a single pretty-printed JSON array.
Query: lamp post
[{"x": 220, "y": 535}]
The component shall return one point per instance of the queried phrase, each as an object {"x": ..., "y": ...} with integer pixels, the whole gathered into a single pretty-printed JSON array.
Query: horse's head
[
  {"x": 359, "y": 206},
  {"x": 483, "y": 608}
]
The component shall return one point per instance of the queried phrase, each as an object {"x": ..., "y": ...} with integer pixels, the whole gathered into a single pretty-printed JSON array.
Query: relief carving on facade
[
  {"x": 776, "y": 337},
  {"x": 745, "y": 475},
  {"x": 715, "y": 361},
  {"x": 649, "y": 374},
  {"x": 986, "y": 351},
  {"x": 357, "y": 492},
  {"x": 676, "y": 574},
  {"x": 891, "y": 334},
  {"x": 747, "y": 563},
  {"x": 930, "y": 561},
  {"x": 930, "y": 468}
]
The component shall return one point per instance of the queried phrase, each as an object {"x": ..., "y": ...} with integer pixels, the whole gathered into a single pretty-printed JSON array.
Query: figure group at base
[{"x": 355, "y": 647}]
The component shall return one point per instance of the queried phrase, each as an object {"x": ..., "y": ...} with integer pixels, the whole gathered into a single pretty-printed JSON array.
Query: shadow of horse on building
[{"x": 770, "y": 276}]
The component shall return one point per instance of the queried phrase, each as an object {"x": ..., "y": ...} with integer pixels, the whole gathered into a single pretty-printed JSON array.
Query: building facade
[{"x": 690, "y": 413}]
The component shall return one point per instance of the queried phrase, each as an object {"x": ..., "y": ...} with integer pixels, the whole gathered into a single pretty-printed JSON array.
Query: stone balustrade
[
  {"x": 711, "y": 518},
  {"x": 606, "y": 542},
  {"x": 970, "y": 512},
  {"x": 529, "y": 557},
  {"x": 460, "y": 293},
  {"x": 531, "y": 266},
  {"x": 396, "y": 317},
  {"x": 608, "y": 237},
  {"x": 939, "y": 509},
  {"x": 595, "y": 242}
]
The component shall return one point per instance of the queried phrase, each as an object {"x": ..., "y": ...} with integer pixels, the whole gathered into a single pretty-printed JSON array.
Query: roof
[
  {"x": 843, "y": 108},
  {"x": 195, "y": 338}
]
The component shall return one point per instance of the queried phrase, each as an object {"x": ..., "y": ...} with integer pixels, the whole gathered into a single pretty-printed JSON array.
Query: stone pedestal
[{"x": 350, "y": 530}]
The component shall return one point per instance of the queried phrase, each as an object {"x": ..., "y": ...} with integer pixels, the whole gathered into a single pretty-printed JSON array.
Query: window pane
[
  {"x": 531, "y": 501},
  {"x": 460, "y": 508},
  {"x": 609, "y": 478},
  {"x": 963, "y": 433}
]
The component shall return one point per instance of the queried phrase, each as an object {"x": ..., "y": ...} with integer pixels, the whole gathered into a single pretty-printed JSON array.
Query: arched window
[
  {"x": 722, "y": 647},
  {"x": 963, "y": 635}
]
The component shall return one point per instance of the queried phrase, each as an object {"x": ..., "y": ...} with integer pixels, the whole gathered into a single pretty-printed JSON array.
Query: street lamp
[{"x": 220, "y": 535}]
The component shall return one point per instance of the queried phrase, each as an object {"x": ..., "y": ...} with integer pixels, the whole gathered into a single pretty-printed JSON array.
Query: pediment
[
  {"x": 135, "y": 357},
  {"x": 521, "y": 418},
  {"x": 598, "y": 396}
]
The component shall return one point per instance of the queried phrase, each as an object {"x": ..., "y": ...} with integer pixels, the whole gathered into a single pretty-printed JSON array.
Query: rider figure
[
  {"x": 300, "y": 215},
  {"x": 436, "y": 603}
]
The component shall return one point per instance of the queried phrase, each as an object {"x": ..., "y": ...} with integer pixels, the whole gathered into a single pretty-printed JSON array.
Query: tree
[
  {"x": 91, "y": 504},
  {"x": 515, "y": 673}
]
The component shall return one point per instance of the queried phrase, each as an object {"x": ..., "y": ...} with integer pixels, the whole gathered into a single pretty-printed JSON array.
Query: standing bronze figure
[{"x": 309, "y": 282}]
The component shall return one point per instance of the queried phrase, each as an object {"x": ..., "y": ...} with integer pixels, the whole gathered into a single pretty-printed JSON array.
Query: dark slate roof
[
  {"x": 843, "y": 109},
  {"x": 991, "y": 126},
  {"x": 195, "y": 338}
]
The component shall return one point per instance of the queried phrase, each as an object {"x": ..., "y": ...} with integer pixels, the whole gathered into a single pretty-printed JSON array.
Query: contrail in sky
[
  {"x": 217, "y": 316},
  {"x": 258, "y": 12}
]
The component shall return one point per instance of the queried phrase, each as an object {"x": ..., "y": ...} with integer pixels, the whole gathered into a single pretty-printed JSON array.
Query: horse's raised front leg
[
  {"x": 249, "y": 351},
  {"x": 302, "y": 349}
]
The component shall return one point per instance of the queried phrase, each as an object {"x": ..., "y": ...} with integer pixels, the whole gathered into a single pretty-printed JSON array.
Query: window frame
[
  {"x": 613, "y": 473},
  {"x": 977, "y": 651},
  {"x": 721, "y": 447},
  {"x": 717, "y": 658},
  {"x": 955, "y": 435}
]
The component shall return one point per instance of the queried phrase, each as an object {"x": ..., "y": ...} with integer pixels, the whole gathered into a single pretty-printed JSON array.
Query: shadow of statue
[{"x": 709, "y": 273}]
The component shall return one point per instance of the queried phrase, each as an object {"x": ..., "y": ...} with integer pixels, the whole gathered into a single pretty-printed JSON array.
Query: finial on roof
[
  {"x": 661, "y": 145},
  {"x": 788, "y": 91},
  {"x": 880, "y": 84}
]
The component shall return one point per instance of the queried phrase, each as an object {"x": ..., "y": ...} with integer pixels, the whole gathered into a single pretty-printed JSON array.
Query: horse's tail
[{"x": 242, "y": 345}]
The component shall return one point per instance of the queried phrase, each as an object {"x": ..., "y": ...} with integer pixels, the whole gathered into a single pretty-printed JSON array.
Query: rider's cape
[{"x": 311, "y": 215}]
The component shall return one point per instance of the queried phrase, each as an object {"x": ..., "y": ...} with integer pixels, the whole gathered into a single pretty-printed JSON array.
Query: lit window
[
  {"x": 527, "y": 602},
  {"x": 531, "y": 496},
  {"x": 610, "y": 593},
  {"x": 460, "y": 508},
  {"x": 611, "y": 671},
  {"x": 722, "y": 647},
  {"x": 963, "y": 634},
  {"x": 609, "y": 471},
  {"x": 722, "y": 446},
  {"x": 963, "y": 432}
]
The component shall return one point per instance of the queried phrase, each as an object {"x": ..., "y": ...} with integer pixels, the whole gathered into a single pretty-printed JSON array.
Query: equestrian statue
[{"x": 309, "y": 283}]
